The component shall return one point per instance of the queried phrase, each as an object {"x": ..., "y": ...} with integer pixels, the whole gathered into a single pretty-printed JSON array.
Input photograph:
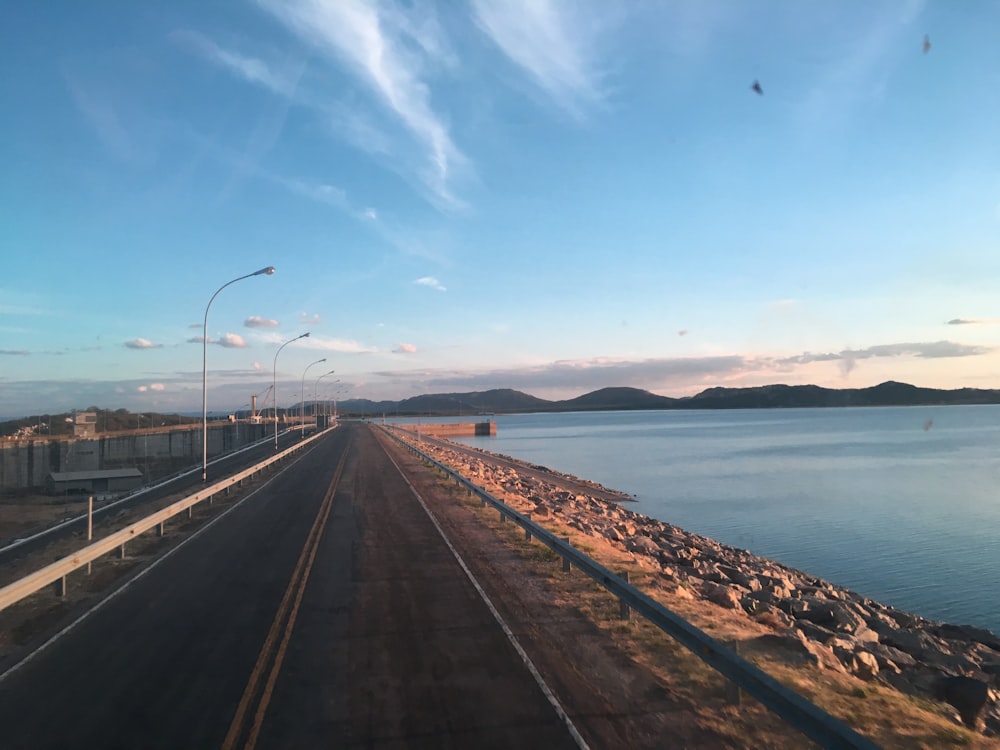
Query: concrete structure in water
[{"x": 452, "y": 429}]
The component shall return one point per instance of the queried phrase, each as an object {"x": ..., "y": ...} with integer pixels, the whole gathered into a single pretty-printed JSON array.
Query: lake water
[{"x": 899, "y": 504}]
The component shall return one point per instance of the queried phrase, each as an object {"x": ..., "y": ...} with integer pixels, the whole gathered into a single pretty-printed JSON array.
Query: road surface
[{"x": 324, "y": 611}]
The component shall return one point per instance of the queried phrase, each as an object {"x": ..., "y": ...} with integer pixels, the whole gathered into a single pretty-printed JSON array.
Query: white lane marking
[
  {"x": 140, "y": 574},
  {"x": 560, "y": 711}
]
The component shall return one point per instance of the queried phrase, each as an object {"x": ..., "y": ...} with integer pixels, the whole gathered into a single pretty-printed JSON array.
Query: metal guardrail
[
  {"x": 57, "y": 571},
  {"x": 798, "y": 712}
]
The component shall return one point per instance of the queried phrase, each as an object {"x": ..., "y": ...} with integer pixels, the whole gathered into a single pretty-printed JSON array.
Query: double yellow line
[{"x": 273, "y": 651}]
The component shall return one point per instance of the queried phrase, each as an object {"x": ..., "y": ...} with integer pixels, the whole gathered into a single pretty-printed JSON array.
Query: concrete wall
[{"x": 25, "y": 464}]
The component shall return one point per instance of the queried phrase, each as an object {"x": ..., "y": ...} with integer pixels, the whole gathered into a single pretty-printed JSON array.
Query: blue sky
[{"x": 548, "y": 196}]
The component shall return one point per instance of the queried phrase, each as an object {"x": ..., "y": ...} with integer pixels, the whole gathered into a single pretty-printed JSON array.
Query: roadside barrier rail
[
  {"x": 57, "y": 571},
  {"x": 797, "y": 711}
]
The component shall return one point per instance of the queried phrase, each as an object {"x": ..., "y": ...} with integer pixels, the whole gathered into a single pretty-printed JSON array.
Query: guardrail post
[
  {"x": 503, "y": 516},
  {"x": 191, "y": 511},
  {"x": 624, "y": 611},
  {"x": 160, "y": 528},
  {"x": 734, "y": 695},
  {"x": 121, "y": 552},
  {"x": 482, "y": 502},
  {"x": 61, "y": 587},
  {"x": 90, "y": 525},
  {"x": 566, "y": 566},
  {"x": 527, "y": 532}
]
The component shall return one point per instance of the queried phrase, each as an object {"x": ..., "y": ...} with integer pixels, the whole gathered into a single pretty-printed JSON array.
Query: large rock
[
  {"x": 968, "y": 633},
  {"x": 864, "y": 665},
  {"x": 887, "y": 653},
  {"x": 724, "y": 596},
  {"x": 642, "y": 545},
  {"x": 966, "y": 694},
  {"x": 744, "y": 579}
]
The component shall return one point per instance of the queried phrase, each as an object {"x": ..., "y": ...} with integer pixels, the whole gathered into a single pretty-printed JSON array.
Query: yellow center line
[{"x": 296, "y": 588}]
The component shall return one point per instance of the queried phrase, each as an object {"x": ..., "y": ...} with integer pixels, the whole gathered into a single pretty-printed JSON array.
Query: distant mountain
[
  {"x": 497, "y": 401},
  {"x": 889, "y": 393},
  {"x": 779, "y": 396},
  {"x": 616, "y": 399}
]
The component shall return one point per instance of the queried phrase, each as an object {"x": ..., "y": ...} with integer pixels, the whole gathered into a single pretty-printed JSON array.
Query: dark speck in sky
[{"x": 756, "y": 88}]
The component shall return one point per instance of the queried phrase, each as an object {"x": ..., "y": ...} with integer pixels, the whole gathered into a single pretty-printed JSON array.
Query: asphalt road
[{"x": 325, "y": 611}]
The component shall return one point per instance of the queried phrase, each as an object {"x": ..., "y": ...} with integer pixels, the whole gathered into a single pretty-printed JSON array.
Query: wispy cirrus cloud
[
  {"x": 430, "y": 281},
  {"x": 14, "y": 352},
  {"x": 281, "y": 78},
  {"x": 255, "y": 321},
  {"x": 141, "y": 343},
  {"x": 391, "y": 50},
  {"x": 552, "y": 41}
]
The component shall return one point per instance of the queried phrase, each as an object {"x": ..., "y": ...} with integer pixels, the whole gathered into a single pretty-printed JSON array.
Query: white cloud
[
  {"x": 404, "y": 348},
  {"x": 258, "y": 366},
  {"x": 142, "y": 388},
  {"x": 551, "y": 41},
  {"x": 232, "y": 341},
  {"x": 255, "y": 321},
  {"x": 157, "y": 387},
  {"x": 370, "y": 214},
  {"x": 141, "y": 343},
  {"x": 310, "y": 318},
  {"x": 431, "y": 282},
  {"x": 376, "y": 42}
]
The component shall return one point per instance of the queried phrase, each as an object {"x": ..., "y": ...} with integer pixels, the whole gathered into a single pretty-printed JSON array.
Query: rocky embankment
[{"x": 829, "y": 626}]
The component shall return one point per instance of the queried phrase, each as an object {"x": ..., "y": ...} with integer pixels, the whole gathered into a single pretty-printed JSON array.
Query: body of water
[{"x": 899, "y": 504}]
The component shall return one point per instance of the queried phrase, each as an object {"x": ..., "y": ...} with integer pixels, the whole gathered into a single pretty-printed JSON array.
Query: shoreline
[{"x": 830, "y": 626}]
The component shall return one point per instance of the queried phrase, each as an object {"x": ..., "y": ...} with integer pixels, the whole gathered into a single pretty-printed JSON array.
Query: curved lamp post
[
  {"x": 274, "y": 384},
  {"x": 316, "y": 389},
  {"x": 204, "y": 368},
  {"x": 302, "y": 409}
]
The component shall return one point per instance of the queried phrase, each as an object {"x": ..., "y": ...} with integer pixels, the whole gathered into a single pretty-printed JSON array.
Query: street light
[
  {"x": 204, "y": 369},
  {"x": 316, "y": 389},
  {"x": 302, "y": 409},
  {"x": 274, "y": 384}
]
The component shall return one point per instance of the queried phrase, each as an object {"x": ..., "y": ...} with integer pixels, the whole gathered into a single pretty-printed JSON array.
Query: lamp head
[{"x": 266, "y": 271}]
